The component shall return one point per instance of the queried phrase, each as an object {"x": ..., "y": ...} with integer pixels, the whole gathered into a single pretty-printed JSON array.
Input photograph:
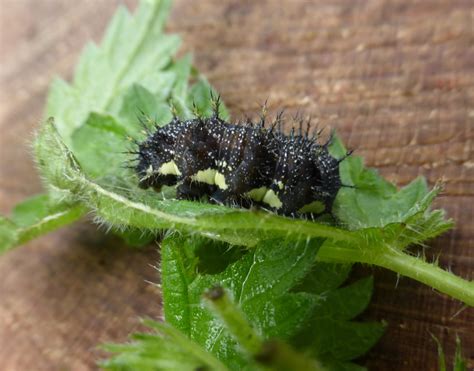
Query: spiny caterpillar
[{"x": 242, "y": 165}]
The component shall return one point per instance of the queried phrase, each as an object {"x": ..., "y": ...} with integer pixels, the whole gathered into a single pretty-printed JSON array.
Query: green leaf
[
  {"x": 330, "y": 335},
  {"x": 199, "y": 95},
  {"x": 259, "y": 282},
  {"x": 101, "y": 137},
  {"x": 459, "y": 363},
  {"x": 182, "y": 68},
  {"x": 166, "y": 350},
  {"x": 324, "y": 277},
  {"x": 131, "y": 207},
  {"x": 36, "y": 216},
  {"x": 134, "y": 51},
  {"x": 131, "y": 74},
  {"x": 8, "y": 234},
  {"x": 441, "y": 357},
  {"x": 178, "y": 270},
  {"x": 31, "y": 210},
  {"x": 347, "y": 302},
  {"x": 135, "y": 237},
  {"x": 374, "y": 202},
  {"x": 140, "y": 103},
  {"x": 263, "y": 303}
]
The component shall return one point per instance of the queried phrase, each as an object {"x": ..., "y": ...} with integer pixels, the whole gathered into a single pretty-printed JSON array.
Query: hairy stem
[
  {"x": 234, "y": 319},
  {"x": 268, "y": 353},
  {"x": 406, "y": 265}
]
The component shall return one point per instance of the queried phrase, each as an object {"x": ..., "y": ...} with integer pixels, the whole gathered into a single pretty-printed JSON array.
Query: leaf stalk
[{"x": 406, "y": 265}]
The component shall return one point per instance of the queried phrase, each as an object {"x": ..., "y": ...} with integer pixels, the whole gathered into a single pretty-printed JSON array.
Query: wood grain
[{"x": 395, "y": 78}]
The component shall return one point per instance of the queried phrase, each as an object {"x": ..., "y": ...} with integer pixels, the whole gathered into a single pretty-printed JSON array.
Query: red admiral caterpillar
[{"x": 241, "y": 165}]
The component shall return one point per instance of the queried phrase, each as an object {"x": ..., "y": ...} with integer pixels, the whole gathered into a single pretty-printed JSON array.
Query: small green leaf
[
  {"x": 140, "y": 104},
  {"x": 133, "y": 51},
  {"x": 441, "y": 358},
  {"x": 324, "y": 277},
  {"x": 8, "y": 234},
  {"x": 36, "y": 216},
  {"x": 330, "y": 335},
  {"x": 178, "y": 269},
  {"x": 373, "y": 202},
  {"x": 101, "y": 137},
  {"x": 31, "y": 210},
  {"x": 166, "y": 350},
  {"x": 200, "y": 95},
  {"x": 459, "y": 363},
  {"x": 182, "y": 68}
]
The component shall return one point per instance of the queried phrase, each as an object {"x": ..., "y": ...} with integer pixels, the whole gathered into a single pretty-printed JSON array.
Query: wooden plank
[{"x": 395, "y": 78}]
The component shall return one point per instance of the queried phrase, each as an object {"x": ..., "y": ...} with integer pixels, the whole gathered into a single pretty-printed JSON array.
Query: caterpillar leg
[{"x": 193, "y": 190}]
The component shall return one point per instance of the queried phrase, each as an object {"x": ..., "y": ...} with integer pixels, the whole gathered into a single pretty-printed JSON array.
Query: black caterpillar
[{"x": 241, "y": 165}]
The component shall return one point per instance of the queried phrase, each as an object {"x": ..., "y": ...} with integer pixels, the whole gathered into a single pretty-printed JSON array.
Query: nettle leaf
[
  {"x": 459, "y": 362},
  {"x": 200, "y": 95},
  {"x": 271, "y": 286},
  {"x": 119, "y": 203},
  {"x": 132, "y": 207},
  {"x": 183, "y": 69},
  {"x": 36, "y": 216},
  {"x": 8, "y": 234},
  {"x": 130, "y": 77},
  {"x": 116, "y": 85},
  {"x": 259, "y": 282},
  {"x": 330, "y": 335},
  {"x": 145, "y": 209},
  {"x": 108, "y": 137},
  {"x": 324, "y": 277},
  {"x": 178, "y": 268},
  {"x": 375, "y": 202},
  {"x": 133, "y": 51},
  {"x": 140, "y": 104},
  {"x": 167, "y": 350}
]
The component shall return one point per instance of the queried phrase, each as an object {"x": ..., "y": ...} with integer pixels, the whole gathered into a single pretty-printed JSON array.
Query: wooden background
[{"x": 396, "y": 78}]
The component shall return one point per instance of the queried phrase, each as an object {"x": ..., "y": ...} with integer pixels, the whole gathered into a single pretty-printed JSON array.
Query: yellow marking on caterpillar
[
  {"x": 315, "y": 207},
  {"x": 257, "y": 194},
  {"x": 272, "y": 199},
  {"x": 219, "y": 180},
  {"x": 205, "y": 176},
  {"x": 169, "y": 168}
]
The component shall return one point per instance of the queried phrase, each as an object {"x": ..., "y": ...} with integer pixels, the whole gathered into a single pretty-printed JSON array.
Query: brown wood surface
[{"x": 396, "y": 79}]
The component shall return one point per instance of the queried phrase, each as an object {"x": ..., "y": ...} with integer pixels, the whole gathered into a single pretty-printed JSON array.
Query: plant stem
[
  {"x": 406, "y": 265},
  {"x": 220, "y": 303},
  {"x": 271, "y": 354}
]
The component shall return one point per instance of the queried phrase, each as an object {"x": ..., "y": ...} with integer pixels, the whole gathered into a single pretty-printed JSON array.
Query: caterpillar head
[{"x": 155, "y": 166}]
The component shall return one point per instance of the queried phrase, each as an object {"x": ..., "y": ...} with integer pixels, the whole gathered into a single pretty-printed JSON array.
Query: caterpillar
[{"x": 243, "y": 164}]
